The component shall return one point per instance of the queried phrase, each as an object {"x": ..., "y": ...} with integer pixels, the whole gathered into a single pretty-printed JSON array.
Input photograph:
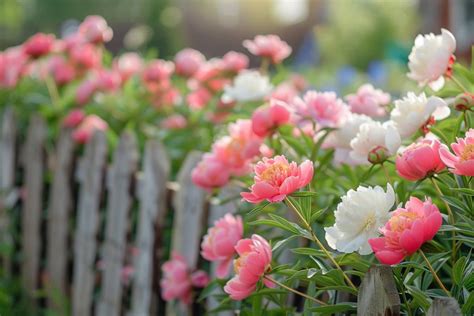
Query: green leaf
[
  {"x": 257, "y": 210},
  {"x": 458, "y": 270},
  {"x": 303, "y": 194},
  {"x": 308, "y": 252},
  {"x": 332, "y": 309},
  {"x": 468, "y": 307}
]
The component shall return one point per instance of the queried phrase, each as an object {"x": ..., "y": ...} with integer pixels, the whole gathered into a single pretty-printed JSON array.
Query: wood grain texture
[
  {"x": 446, "y": 306},
  {"x": 189, "y": 207},
  {"x": 378, "y": 294},
  {"x": 8, "y": 133},
  {"x": 152, "y": 193},
  {"x": 89, "y": 175},
  {"x": 33, "y": 162},
  {"x": 119, "y": 178},
  {"x": 60, "y": 204}
]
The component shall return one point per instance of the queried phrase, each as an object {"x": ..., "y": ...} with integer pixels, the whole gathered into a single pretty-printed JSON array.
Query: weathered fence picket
[
  {"x": 60, "y": 205},
  {"x": 7, "y": 181},
  {"x": 33, "y": 162},
  {"x": 90, "y": 174},
  {"x": 189, "y": 205},
  {"x": 446, "y": 306},
  {"x": 118, "y": 204},
  {"x": 152, "y": 196},
  {"x": 378, "y": 294}
]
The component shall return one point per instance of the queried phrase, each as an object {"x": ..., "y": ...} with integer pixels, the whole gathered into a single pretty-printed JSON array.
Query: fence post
[
  {"x": 8, "y": 133},
  {"x": 152, "y": 196},
  {"x": 90, "y": 174},
  {"x": 378, "y": 294},
  {"x": 33, "y": 161},
  {"x": 119, "y": 200},
  {"x": 189, "y": 205},
  {"x": 60, "y": 204},
  {"x": 444, "y": 306}
]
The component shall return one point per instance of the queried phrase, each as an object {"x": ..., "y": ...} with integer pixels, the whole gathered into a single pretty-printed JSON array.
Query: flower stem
[
  {"x": 434, "y": 273},
  {"x": 53, "y": 91},
  {"x": 386, "y": 173},
  {"x": 458, "y": 83},
  {"x": 264, "y": 65},
  {"x": 294, "y": 291},
  {"x": 320, "y": 245}
]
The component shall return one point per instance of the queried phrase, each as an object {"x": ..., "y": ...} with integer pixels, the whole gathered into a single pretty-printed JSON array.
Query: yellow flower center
[
  {"x": 274, "y": 171},
  {"x": 400, "y": 222},
  {"x": 468, "y": 152}
]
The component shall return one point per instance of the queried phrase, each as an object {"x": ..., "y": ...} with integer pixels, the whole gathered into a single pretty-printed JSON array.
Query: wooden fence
[{"x": 75, "y": 250}]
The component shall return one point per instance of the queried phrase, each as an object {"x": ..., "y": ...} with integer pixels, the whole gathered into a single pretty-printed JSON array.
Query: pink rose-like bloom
[
  {"x": 85, "y": 91},
  {"x": 420, "y": 160},
  {"x": 285, "y": 92},
  {"x": 74, "y": 118},
  {"x": 62, "y": 71},
  {"x": 158, "y": 70},
  {"x": 406, "y": 231},
  {"x": 12, "y": 65},
  {"x": 95, "y": 29},
  {"x": 128, "y": 65},
  {"x": 199, "y": 98},
  {"x": 275, "y": 178},
  {"x": 324, "y": 107},
  {"x": 462, "y": 162},
  {"x": 188, "y": 61},
  {"x": 88, "y": 126},
  {"x": 235, "y": 62},
  {"x": 237, "y": 149},
  {"x": 175, "y": 121},
  {"x": 254, "y": 261},
  {"x": 86, "y": 56},
  {"x": 368, "y": 101},
  {"x": 268, "y": 46},
  {"x": 267, "y": 118},
  {"x": 108, "y": 80},
  {"x": 210, "y": 173},
  {"x": 218, "y": 245},
  {"x": 39, "y": 44},
  {"x": 177, "y": 282}
]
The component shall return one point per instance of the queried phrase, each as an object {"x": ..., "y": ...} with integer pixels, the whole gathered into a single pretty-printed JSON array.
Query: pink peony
[
  {"x": 199, "y": 98},
  {"x": 275, "y": 178},
  {"x": 268, "y": 46},
  {"x": 254, "y": 261},
  {"x": 368, "y": 101},
  {"x": 95, "y": 29},
  {"x": 210, "y": 173},
  {"x": 86, "y": 56},
  {"x": 85, "y": 91},
  {"x": 406, "y": 231},
  {"x": 218, "y": 245},
  {"x": 74, "y": 118},
  {"x": 188, "y": 61},
  {"x": 177, "y": 282},
  {"x": 324, "y": 107},
  {"x": 88, "y": 126},
  {"x": 108, "y": 80},
  {"x": 236, "y": 150},
  {"x": 175, "y": 121},
  {"x": 158, "y": 70},
  {"x": 128, "y": 64},
  {"x": 420, "y": 160},
  {"x": 235, "y": 62},
  {"x": 285, "y": 92},
  {"x": 462, "y": 162},
  {"x": 13, "y": 62},
  {"x": 267, "y": 118},
  {"x": 39, "y": 45},
  {"x": 62, "y": 71}
]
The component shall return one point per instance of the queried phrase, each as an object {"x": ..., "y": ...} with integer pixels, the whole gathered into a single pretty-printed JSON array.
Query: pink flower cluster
[
  {"x": 84, "y": 126},
  {"x": 368, "y": 101},
  {"x": 268, "y": 46},
  {"x": 178, "y": 281},
  {"x": 406, "y": 231},
  {"x": 231, "y": 155}
]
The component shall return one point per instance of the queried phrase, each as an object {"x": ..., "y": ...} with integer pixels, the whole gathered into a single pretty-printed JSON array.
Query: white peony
[
  {"x": 358, "y": 218},
  {"x": 342, "y": 137},
  {"x": 430, "y": 58},
  {"x": 249, "y": 85},
  {"x": 372, "y": 138},
  {"x": 413, "y": 112}
]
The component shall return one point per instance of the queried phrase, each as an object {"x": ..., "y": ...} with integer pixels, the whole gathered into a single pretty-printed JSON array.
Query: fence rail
[{"x": 89, "y": 226}]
